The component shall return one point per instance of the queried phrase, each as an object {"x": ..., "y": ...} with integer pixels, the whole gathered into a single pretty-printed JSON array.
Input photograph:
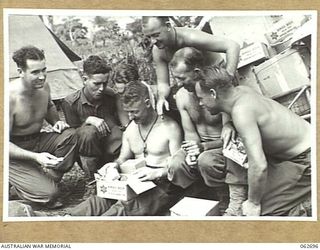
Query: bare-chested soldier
[
  {"x": 277, "y": 142},
  {"x": 38, "y": 160},
  {"x": 168, "y": 40},
  {"x": 204, "y": 134},
  {"x": 147, "y": 137}
]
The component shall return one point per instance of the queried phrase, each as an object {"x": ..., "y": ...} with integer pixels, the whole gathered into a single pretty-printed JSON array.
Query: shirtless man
[
  {"x": 168, "y": 40},
  {"x": 147, "y": 137},
  {"x": 38, "y": 160},
  {"x": 204, "y": 134},
  {"x": 277, "y": 142}
]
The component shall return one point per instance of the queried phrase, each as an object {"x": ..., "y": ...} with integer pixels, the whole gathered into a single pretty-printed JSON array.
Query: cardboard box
[
  {"x": 255, "y": 52},
  {"x": 189, "y": 206},
  {"x": 283, "y": 29},
  {"x": 124, "y": 189},
  {"x": 282, "y": 73},
  {"x": 236, "y": 152},
  {"x": 128, "y": 187}
]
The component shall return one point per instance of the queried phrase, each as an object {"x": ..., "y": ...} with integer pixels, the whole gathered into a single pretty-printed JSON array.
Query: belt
[{"x": 20, "y": 138}]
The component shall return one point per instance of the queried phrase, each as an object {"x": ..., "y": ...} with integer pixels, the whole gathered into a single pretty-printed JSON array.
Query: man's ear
[
  {"x": 213, "y": 93},
  {"x": 147, "y": 102},
  {"x": 85, "y": 78},
  {"x": 168, "y": 25},
  {"x": 20, "y": 72}
]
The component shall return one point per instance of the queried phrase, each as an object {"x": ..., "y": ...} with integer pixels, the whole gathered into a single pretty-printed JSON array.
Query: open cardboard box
[
  {"x": 196, "y": 207},
  {"x": 128, "y": 187}
]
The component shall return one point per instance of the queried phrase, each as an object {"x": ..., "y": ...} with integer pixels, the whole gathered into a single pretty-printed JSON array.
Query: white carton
[
  {"x": 127, "y": 188},
  {"x": 190, "y": 206},
  {"x": 255, "y": 52}
]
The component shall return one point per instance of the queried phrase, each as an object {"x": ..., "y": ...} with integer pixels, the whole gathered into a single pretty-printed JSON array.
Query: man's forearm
[
  {"x": 18, "y": 153},
  {"x": 212, "y": 144},
  {"x": 232, "y": 56},
  {"x": 163, "y": 89},
  {"x": 52, "y": 115},
  {"x": 257, "y": 179}
]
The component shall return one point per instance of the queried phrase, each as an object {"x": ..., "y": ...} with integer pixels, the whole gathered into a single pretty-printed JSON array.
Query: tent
[{"x": 63, "y": 76}]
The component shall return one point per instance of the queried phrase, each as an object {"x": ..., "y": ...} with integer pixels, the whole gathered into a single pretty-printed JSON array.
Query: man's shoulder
[
  {"x": 182, "y": 98},
  {"x": 73, "y": 97}
]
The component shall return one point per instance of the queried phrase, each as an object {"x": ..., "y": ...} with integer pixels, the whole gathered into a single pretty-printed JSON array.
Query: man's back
[{"x": 283, "y": 133}]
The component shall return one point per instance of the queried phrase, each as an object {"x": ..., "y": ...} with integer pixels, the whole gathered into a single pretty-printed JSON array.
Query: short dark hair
[
  {"x": 162, "y": 19},
  {"x": 30, "y": 52},
  {"x": 135, "y": 92},
  {"x": 95, "y": 65},
  {"x": 191, "y": 57},
  {"x": 125, "y": 73},
  {"x": 215, "y": 77}
]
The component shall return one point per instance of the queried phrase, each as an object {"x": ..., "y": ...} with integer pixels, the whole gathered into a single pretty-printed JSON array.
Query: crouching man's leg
[
  {"x": 237, "y": 180},
  {"x": 61, "y": 145},
  {"x": 89, "y": 149},
  {"x": 31, "y": 183},
  {"x": 93, "y": 206},
  {"x": 179, "y": 173},
  {"x": 212, "y": 168}
]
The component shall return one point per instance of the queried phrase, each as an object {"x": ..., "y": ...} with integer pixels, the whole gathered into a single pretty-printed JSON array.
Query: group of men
[{"x": 104, "y": 128}]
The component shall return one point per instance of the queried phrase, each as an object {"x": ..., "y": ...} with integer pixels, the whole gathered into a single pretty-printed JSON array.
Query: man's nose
[
  {"x": 42, "y": 75},
  {"x": 131, "y": 116}
]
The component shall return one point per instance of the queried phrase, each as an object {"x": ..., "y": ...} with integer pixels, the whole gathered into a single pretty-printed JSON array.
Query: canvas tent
[{"x": 63, "y": 76}]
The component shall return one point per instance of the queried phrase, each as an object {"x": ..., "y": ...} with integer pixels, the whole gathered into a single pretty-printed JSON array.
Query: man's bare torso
[
  {"x": 27, "y": 109},
  {"x": 157, "y": 143},
  {"x": 208, "y": 126},
  {"x": 284, "y": 134}
]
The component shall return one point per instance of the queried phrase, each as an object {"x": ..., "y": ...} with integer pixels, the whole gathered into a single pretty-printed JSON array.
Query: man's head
[
  {"x": 31, "y": 66},
  {"x": 212, "y": 89},
  {"x": 96, "y": 76},
  {"x": 136, "y": 101},
  {"x": 123, "y": 74},
  {"x": 158, "y": 29},
  {"x": 185, "y": 64}
]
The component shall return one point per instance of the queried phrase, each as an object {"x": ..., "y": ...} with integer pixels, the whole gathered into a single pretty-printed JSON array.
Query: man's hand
[
  {"x": 228, "y": 133},
  {"x": 162, "y": 102},
  {"x": 250, "y": 209},
  {"x": 100, "y": 124},
  {"x": 48, "y": 160},
  {"x": 148, "y": 174},
  {"x": 192, "y": 148},
  {"x": 110, "y": 171},
  {"x": 59, "y": 126}
]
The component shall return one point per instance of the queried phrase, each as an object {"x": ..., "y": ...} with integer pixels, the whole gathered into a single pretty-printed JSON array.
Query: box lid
[{"x": 190, "y": 206}]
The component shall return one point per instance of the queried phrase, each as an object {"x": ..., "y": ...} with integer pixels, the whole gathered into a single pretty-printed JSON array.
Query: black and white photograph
[{"x": 162, "y": 115}]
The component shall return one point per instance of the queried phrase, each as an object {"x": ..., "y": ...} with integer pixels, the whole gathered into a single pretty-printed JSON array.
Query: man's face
[
  {"x": 138, "y": 112},
  {"x": 207, "y": 100},
  {"x": 157, "y": 32},
  {"x": 96, "y": 84},
  {"x": 35, "y": 73},
  {"x": 184, "y": 77}
]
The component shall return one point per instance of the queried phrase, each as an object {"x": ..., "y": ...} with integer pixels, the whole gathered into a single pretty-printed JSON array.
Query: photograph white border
[{"x": 119, "y": 13}]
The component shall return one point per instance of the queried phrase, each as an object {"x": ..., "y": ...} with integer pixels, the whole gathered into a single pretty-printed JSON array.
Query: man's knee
[
  {"x": 70, "y": 136},
  {"x": 87, "y": 133},
  {"x": 212, "y": 168}
]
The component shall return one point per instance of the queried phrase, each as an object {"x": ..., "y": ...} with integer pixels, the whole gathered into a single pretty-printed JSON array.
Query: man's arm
[
  {"x": 72, "y": 118},
  {"x": 228, "y": 132},
  {"x": 52, "y": 114},
  {"x": 248, "y": 129},
  {"x": 163, "y": 79},
  {"x": 190, "y": 132},
  {"x": 207, "y": 42}
]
